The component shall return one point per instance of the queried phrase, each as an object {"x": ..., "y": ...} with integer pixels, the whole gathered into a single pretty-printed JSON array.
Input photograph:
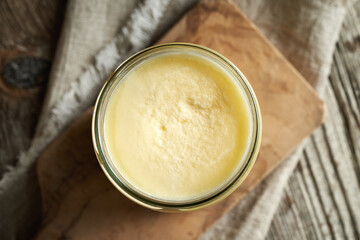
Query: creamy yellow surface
[{"x": 177, "y": 126}]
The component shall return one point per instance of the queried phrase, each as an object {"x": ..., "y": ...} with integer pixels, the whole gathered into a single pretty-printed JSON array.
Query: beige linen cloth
[{"x": 99, "y": 35}]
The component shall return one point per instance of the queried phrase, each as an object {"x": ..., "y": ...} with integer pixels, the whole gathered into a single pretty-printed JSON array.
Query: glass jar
[{"x": 152, "y": 202}]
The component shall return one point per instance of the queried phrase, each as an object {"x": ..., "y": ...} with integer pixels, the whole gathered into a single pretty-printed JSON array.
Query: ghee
[{"x": 177, "y": 127}]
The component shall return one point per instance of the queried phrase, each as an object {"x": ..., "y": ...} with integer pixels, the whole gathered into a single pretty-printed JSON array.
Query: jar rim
[{"x": 149, "y": 201}]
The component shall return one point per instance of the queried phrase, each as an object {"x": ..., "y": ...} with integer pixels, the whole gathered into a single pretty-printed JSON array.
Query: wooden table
[{"x": 322, "y": 198}]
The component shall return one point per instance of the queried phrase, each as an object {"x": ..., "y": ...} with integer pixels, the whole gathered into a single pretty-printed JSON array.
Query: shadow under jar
[{"x": 176, "y": 127}]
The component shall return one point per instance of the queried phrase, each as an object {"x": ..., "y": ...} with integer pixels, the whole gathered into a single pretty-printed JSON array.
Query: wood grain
[
  {"x": 29, "y": 31},
  {"x": 79, "y": 201},
  {"x": 27, "y": 43},
  {"x": 322, "y": 198}
]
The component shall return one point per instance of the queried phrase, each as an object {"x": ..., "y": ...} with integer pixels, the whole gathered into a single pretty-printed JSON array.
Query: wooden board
[{"x": 80, "y": 203}]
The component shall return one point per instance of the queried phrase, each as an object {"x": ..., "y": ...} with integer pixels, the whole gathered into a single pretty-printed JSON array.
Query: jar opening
[{"x": 122, "y": 182}]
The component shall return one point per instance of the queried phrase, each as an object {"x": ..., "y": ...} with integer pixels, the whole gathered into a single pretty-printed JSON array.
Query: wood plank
[
  {"x": 324, "y": 192},
  {"x": 29, "y": 31}
]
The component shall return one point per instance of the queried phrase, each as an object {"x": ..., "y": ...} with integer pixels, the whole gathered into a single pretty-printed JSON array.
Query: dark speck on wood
[{"x": 26, "y": 72}]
